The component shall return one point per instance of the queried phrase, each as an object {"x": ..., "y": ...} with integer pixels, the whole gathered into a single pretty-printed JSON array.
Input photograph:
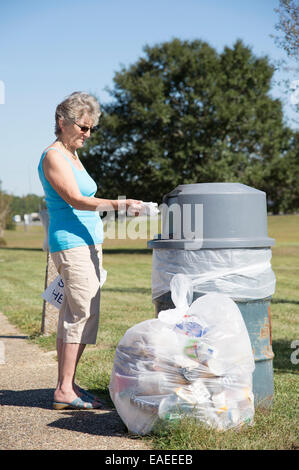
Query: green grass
[{"x": 126, "y": 300}]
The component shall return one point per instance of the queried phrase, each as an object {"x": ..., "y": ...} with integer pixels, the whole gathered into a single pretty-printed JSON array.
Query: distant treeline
[
  {"x": 11, "y": 205},
  {"x": 25, "y": 204}
]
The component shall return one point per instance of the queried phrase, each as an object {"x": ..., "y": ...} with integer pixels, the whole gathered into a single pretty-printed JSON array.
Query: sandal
[
  {"x": 77, "y": 404},
  {"x": 88, "y": 394}
]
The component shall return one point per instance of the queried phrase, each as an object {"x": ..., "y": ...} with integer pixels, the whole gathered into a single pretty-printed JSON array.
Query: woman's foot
[
  {"x": 74, "y": 399},
  {"x": 65, "y": 395},
  {"x": 87, "y": 396},
  {"x": 77, "y": 404}
]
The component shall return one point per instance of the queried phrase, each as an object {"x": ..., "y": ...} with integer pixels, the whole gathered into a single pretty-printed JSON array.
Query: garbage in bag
[{"x": 193, "y": 360}]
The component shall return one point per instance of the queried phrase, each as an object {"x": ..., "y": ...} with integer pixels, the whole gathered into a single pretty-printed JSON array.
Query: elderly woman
[{"x": 75, "y": 241}]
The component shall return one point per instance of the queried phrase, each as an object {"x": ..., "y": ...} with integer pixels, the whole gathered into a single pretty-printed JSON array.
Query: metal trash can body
[
  {"x": 234, "y": 216},
  {"x": 257, "y": 318}
]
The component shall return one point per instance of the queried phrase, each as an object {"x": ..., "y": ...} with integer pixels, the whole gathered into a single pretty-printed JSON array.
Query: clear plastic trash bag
[
  {"x": 240, "y": 273},
  {"x": 193, "y": 360}
]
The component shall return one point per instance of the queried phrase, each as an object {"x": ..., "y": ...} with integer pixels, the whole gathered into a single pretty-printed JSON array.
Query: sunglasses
[{"x": 86, "y": 129}]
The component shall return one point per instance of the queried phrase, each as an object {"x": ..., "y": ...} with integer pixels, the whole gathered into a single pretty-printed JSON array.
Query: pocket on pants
[{"x": 77, "y": 291}]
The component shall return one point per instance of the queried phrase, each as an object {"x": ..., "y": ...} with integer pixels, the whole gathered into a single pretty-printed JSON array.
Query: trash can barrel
[{"x": 217, "y": 234}]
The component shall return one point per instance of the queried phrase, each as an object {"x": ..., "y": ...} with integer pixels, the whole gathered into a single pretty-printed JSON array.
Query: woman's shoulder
[
  {"x": 54, "y": 157},
  {"x": 51, "y": 149}
]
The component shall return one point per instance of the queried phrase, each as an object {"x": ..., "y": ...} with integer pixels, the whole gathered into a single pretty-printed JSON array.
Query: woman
[{"x": 75, "y": 240}]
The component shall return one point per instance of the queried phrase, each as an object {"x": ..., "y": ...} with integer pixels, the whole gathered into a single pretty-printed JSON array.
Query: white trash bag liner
[
  {"x": 239, "y": 273},
  {"x": 191, "y": 361}
]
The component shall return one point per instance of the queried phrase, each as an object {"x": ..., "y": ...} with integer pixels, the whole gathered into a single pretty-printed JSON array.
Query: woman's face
[{"x": 74, "y": 134}]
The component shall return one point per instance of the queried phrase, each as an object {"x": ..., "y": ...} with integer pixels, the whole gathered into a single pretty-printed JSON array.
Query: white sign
[{"x": 55, "y": 291}]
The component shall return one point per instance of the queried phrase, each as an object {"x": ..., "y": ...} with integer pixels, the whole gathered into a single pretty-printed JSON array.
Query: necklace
[{"x": 75, "y": 157}]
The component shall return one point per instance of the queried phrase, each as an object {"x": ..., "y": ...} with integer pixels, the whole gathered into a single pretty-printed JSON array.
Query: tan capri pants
[{"x": 79, "y": 314}]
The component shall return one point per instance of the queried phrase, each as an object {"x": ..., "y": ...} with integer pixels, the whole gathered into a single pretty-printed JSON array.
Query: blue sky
[{"x": 49, "y": 49}]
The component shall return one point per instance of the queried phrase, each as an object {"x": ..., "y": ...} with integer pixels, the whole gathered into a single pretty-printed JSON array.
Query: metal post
[{"x": 50, "y": 313}]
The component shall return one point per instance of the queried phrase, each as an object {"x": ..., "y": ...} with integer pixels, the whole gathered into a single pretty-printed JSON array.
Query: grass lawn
[{"x": 126, "y": 300}]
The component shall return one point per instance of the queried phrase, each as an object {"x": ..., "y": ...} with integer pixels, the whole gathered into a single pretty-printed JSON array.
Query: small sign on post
[{"x": 55, "y": 292}]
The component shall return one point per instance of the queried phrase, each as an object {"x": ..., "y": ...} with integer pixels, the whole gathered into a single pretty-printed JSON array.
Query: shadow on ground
[
  {"x": 108, "y": 251},
  {"x": 284, "y": 301},
  {"x": 13, "y": 248},
  {"x": 127, "y": 251},
  {"x": 40, "y": 398},
  {"x": 91, "y": 422},
  {"x": 36, "y": 398},
  {"x": 135, "y": 290},
  {"x": 104, "y": 422}
]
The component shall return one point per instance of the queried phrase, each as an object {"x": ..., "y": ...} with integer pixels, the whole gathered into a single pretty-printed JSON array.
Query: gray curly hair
[{"x": 75, "y": 106}]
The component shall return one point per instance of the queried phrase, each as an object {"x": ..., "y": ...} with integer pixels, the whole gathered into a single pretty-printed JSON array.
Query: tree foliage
[
  {"x": 11, "y": 205},
  {"x": 26, "y": 204},
  {"x": 184, "y": 113},
  {"x": 5, "y": 201},
  {"x": 288, "y": 26},
  {"x": 288, "y": 40}
]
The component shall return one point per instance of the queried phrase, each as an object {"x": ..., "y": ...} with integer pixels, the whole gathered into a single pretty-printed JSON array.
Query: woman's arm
[{"x": 59, "y": 174}]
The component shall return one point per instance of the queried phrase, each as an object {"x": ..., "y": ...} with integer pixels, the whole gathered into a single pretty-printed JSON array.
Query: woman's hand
[{"x": 134, "y": 206}]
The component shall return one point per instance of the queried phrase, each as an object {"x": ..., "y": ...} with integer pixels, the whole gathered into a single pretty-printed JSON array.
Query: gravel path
[{"x": 27, "y": 420}]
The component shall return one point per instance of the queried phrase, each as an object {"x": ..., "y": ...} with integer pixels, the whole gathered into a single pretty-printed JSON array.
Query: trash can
[{"x": 216, "y": 233}]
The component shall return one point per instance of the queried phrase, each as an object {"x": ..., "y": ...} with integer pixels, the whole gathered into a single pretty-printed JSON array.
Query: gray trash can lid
[{"x": 214, "y": 215}]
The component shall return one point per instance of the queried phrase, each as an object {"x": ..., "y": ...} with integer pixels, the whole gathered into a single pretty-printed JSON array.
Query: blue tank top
[{"x": 69, "y": 227}]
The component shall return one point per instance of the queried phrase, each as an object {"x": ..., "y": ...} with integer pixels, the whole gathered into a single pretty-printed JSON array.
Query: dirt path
[{"x": 27, "y": 420}]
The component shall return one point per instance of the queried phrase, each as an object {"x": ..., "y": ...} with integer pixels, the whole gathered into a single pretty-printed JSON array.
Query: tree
[
  {"x": 279, "y": 179},
  {"x": 290, "y": 176},
  {"x": 26, "y": 204},
  {"x": 288, "y": 25},
  {"x": 5, "y": 201},
  {"x": 288, "y": 39},
  {"x": 187, "y": 114}
]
